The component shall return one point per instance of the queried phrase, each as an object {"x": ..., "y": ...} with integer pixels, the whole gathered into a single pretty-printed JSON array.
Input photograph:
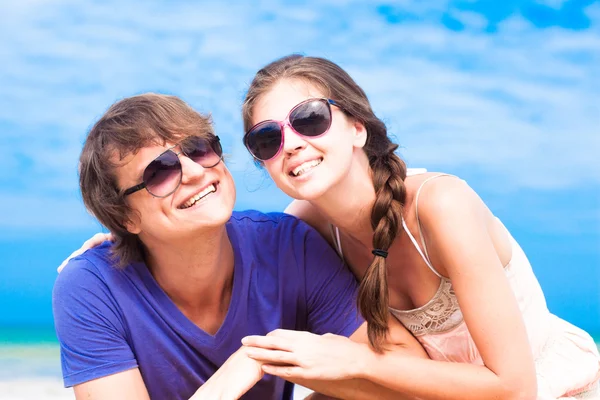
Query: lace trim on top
[{"x": 441, "y": 314}]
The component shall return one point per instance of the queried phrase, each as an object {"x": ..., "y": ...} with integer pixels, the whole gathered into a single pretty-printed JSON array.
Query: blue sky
[{"x": 504, "y": 94}]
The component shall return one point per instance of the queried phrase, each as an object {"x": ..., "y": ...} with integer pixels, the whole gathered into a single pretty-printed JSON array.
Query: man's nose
[{"x": 190, "y": 170}]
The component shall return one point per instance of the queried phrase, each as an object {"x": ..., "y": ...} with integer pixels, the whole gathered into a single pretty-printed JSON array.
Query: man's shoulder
[{"x": 88, "y": 271}]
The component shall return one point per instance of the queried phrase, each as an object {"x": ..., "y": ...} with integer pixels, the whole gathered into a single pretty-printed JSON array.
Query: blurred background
[{"x": 504, "y": 94}]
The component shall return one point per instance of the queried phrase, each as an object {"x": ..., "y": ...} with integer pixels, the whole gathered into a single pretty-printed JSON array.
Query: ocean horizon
[{"x": 30, "y": 364}]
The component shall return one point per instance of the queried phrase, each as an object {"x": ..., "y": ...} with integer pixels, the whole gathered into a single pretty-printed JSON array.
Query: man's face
[{"x": 204, "y": 199}]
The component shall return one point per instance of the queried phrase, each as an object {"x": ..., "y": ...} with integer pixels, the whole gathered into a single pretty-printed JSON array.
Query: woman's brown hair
[
  {"x": 126, "y": 127},
  {"x": 388, "y": 170}
]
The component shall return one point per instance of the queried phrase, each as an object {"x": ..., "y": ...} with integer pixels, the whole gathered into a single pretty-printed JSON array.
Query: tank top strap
[
  {"x": 425, "y": 257},
  {"x": 335, "y": 232},
  {"x": 423, "y": 252},
  {"x": 335, "y": 235}
]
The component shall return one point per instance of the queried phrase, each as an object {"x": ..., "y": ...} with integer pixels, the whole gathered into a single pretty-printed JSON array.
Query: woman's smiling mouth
[{"x": 305, "y": 167}]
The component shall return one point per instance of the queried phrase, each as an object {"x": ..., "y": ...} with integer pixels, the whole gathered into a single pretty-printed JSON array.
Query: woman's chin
[{"x": 309, "y": 190}]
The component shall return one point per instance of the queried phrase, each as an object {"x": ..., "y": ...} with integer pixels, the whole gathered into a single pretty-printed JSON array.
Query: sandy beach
[
  {"x": 52, "y": 389},
  {"x": 34, "y": 388}
]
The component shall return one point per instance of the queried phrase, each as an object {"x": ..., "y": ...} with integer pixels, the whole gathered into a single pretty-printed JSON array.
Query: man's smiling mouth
[{"x": 196, "y": 198}]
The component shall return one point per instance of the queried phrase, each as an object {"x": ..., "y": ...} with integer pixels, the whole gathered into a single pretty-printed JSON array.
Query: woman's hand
[
  {"x": 304, "y": 355},
  {"x": 92, "y": 242}
]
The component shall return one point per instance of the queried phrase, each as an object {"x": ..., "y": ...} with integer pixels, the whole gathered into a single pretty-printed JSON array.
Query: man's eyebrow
[{"x": 139, "y": 174}]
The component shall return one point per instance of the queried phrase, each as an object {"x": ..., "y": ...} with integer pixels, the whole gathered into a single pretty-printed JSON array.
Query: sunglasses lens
[
  {"x": 163, "y": 174},
  {"x": 264, "y": 140},
  {"x": 312, "y": 118},
  {"x": 202, "y": 151}
]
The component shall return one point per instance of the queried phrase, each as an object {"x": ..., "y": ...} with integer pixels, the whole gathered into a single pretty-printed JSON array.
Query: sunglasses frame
[
  {"x": 286, "y": 122},
  {"x": 214, "y": 143}
]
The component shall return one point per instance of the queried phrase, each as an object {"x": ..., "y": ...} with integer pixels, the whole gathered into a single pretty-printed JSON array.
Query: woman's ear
[{"x": 360, "y": 133}]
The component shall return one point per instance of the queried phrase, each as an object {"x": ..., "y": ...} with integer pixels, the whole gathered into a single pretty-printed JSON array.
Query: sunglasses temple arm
[{"x": 134, "y": 189}]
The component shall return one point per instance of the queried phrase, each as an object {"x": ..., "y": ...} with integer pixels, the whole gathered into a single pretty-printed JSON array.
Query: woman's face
[{"x": 307, "y": 167}]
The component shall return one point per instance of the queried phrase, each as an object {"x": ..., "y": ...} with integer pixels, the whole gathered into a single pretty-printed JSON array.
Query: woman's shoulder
[
  {"x": 305, "y": 211},
  {"x": 434, "y": 192}
]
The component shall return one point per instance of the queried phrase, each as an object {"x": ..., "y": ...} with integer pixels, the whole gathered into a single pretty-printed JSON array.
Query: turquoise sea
[
  {"x": 30, "y": 364},
  {"x": 28, "y": 352}
]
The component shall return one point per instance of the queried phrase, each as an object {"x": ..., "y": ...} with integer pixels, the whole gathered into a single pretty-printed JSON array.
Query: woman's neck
[{"x": 348, "y": 204}]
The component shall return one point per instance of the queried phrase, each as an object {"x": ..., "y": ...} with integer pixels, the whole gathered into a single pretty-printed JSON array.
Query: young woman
[{"x": 424, "y": 247}]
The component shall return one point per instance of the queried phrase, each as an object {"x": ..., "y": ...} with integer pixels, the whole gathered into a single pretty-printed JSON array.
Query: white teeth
[
  {"x": 299, "y": 170},
  {"x": 199, "y": 196}
]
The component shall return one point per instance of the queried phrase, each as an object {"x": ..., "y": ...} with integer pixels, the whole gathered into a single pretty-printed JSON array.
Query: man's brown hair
[{"x": 128, "y": 126}]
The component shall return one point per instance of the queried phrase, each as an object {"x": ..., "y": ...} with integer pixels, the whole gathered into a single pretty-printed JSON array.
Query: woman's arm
[{"x": 455, "y": 227}]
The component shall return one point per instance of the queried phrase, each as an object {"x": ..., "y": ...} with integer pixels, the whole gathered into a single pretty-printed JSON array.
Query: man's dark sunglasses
[{"x": 163, "y": 175}]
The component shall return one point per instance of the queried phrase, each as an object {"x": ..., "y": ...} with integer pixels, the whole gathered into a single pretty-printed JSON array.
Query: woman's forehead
[{"x": 277, "y": 102}]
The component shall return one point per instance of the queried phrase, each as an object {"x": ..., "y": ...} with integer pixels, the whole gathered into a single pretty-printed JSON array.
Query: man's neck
[{"x": 196, "y": 274}]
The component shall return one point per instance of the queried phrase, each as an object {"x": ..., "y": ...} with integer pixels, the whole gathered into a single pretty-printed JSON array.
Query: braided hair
[{"x": 388, "y": 170}]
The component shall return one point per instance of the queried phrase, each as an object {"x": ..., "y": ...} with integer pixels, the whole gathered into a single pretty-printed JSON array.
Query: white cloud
[
  {"x": 470, "y": 20},
  {"x": 520, "y": 104},
  {"x": 593, "y": 11}
]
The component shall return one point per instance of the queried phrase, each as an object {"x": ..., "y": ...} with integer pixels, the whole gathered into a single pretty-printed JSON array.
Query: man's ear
[
  {"x": 360, "y": 133},
  {"x": 133, "y": 223}
]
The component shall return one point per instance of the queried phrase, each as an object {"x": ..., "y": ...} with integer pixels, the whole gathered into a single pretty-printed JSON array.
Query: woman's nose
[{"x": 292, "y": 142}]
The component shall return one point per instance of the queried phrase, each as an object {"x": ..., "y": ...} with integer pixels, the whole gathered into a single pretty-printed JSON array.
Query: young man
[{"x": 161, "y": 312}]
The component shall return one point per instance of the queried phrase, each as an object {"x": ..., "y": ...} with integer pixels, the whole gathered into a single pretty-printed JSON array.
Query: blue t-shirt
[{"x": 285, "y": 276}]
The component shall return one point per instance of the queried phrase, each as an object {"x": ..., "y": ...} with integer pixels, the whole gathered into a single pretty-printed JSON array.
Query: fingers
[
  {"x": 64, "y": 263},
  {"x": 272, "y": 356},
  {"x": 92, "y": 242},
  {"x": 96, "y": 240},
  {"x": 288, "y": 334},
  {"x": 286, "y": 372},
  {"x": 268, "y": 342}
]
